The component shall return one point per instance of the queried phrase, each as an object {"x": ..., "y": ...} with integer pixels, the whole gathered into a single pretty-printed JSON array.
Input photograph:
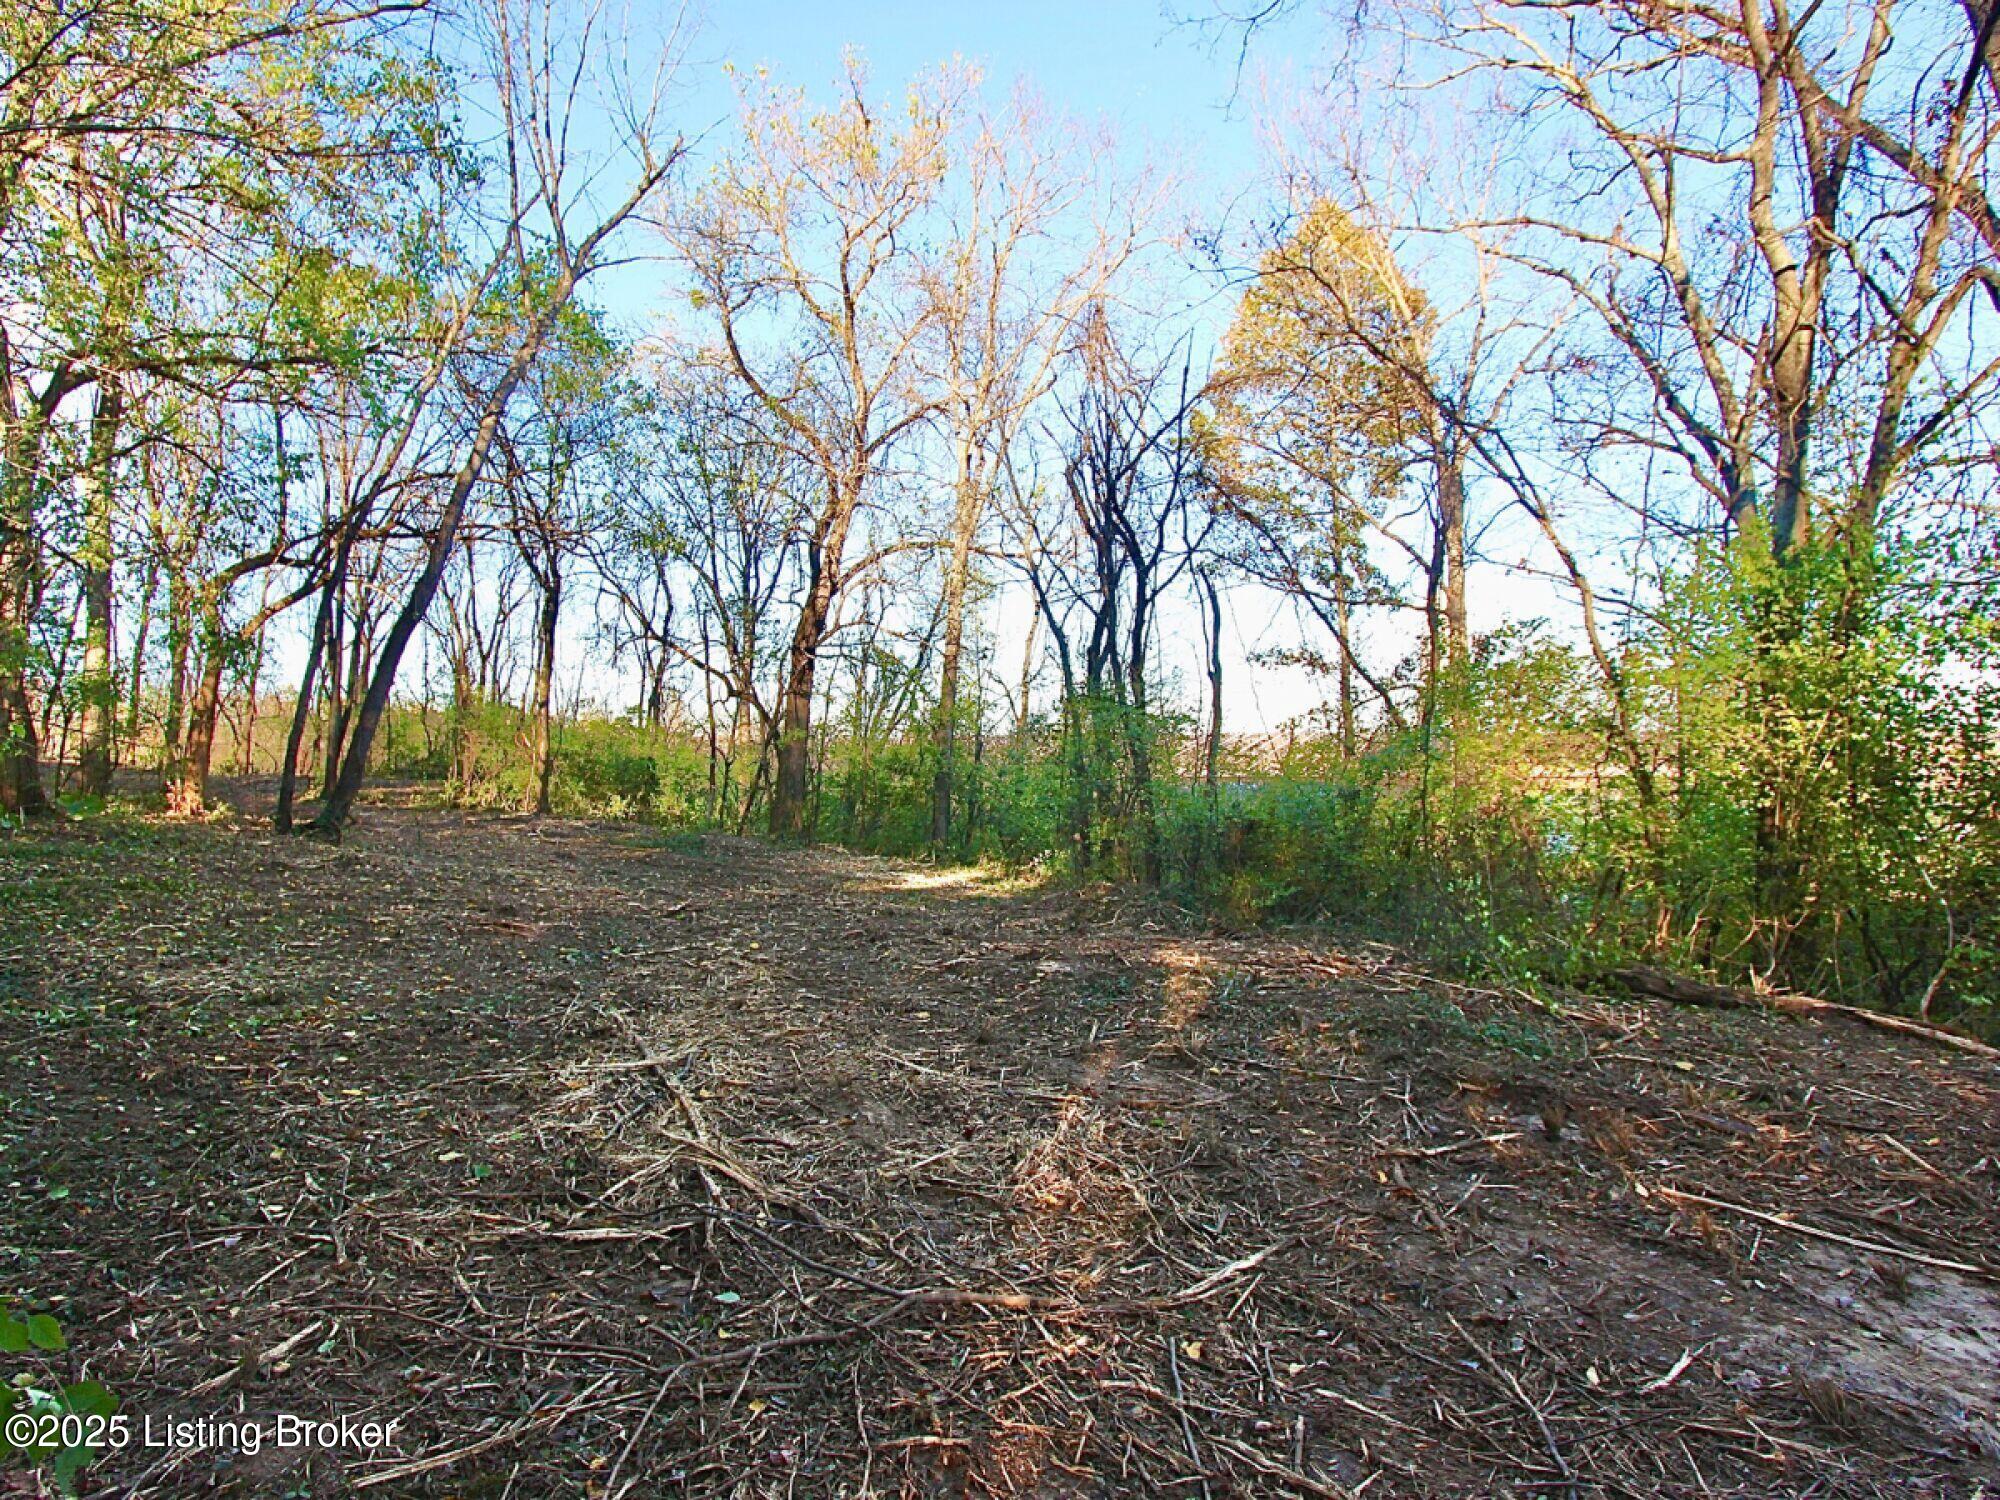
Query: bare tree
[
  {"x": 1007, "y": 297},
  {"x": 701, "y": 555},
  {"x": 1131, "y": 523},
  {"x": 810, "y": 228},
  {"x": 1779, "y": 228}
]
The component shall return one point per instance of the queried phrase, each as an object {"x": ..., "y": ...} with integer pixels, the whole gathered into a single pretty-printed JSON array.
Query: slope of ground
[{"x": 618, "y": 1163}]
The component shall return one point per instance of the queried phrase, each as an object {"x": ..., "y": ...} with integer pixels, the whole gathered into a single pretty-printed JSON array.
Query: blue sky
[
  {"x": 1169, "y": 94},
  {"x": 1166, "y": 90},
  {"x": 1124, "y": 61}
]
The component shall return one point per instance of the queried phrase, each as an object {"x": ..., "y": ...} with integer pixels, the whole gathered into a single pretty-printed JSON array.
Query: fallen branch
[
  {"x": 1510, "y": 1386},
  {"x": 1680, "y": 1367},
  {"x": 1290, "y": 1478},
  {"x": 1455, "y": 1146},
  {"x": 1229, "y": 1272},
  {"x": 1808, "y": 1231},
  {"x": 505, "y": 1435},
  {"x": 1684, "y": 991},
  {"x": 257, "y": 1362}
]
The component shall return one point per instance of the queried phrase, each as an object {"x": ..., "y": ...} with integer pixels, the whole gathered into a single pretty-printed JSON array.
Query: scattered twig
[
  {"x": 247, "y": 1364},
  {"x": 1230, "y": 1272},
  {"x": 1873, "y": 1247},
  {"x": 1679, "y": 1369},
  {"x": 1513, "y": 1387},
  {"x": 511, "y": 1433},
  {"x": 1455, "y": 1146}
]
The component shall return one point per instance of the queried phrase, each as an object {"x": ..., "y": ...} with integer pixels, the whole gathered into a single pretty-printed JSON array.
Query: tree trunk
[
  {"x": 187, "y": 794},
  {"x": 139, "y": 636},
  {"x": 788, "y": 796},
  {"x": 354, "y": 765},
  {"x": 965, "y": 526},
  {"x": 1451, "y": 524},
  {"x": 1341, "y": 608},
  {"x": 794, "y": 775},
  {"x": 248, "y": 765},
  {"x": 1138, "y": 744},
  {"x": 98, "y": 689},
  {"x": 1027, "y": 679},
  {"x": 337, "y": 688},
  {"x": 1212, "y": 772},
  {"x": 1077, "y": 715},
  {"x": 20, "y": 752},
  {"x": 179, "y": 629},
  {"x": 541, "y": 749},
  {"x": 255, "y": 680},
  {"x": 288, "y": 770}
]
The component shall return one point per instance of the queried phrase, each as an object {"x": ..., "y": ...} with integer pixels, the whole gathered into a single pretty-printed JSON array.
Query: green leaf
[
  {"x": 13, "y": 1335},
  {"x": 45, "y": 1333},
  {"x": 89, "y": 1398},
  {"x": 66, "y": 1465}
]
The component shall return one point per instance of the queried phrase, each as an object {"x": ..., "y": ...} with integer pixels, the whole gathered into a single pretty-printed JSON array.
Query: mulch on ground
[{"x": 616, "y": 1162}]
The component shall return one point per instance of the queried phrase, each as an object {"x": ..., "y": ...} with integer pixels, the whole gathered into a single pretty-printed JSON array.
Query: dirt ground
[{"x": 612, "y": 1162}]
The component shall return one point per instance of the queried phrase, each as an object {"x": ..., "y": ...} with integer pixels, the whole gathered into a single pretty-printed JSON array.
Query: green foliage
[
  {"x": 1815, "y": 801},
  {"x": 603, "y": 767},
  {"x": 64, "y": 1421},
  {"x": 1795, "y": 780}
]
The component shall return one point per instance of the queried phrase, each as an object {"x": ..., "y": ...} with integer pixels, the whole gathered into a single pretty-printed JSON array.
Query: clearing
[{"x": 614, "y": 1162}]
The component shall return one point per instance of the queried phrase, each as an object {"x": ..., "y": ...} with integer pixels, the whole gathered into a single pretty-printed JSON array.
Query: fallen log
[
  {"x": 1684, "y": 991},
  {"x": 1678, "y": 988}
]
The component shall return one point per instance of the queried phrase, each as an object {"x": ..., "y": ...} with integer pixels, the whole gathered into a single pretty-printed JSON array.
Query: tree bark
[
  {"x": 1980, "y": 16},
  {"x": 788, "y": 796},
  {"x": 23, "y": 423},
  {"x": 1451, "y": 521},
  {"x": 1341, "y": 615},
  {"x": 187, "y": 793},
  {"x": 965, "y": 526},
  {"x": 97, "y": 688},
  {"x": 180, "y": 628},
  {"x": 339, "y": 690},
  {"x": 794, "y": 775},
  {"x": 1212, "y": 772},
  {"x": 288, "y": 771},
  {"x": 1027, "y": 679},
  {"x": 542, "y": 748}
]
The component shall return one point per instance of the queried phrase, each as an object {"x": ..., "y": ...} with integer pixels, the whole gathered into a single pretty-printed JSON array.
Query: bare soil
[{"x": 614, "y": 1162}]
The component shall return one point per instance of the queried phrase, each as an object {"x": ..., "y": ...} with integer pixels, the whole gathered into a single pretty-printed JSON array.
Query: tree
[
  {"x": 1324, "y": 401},
  {"x": 1781, "y": 235},
  {"x": 713, "y": 527},
  {"x": 551, "y": 460},
  {"x": 812, "y": 228},
  {"x": 131, "y": 132},
  {"x": 538, "y": 77},
  {"x": 1007, "y": 297},
  {"x": 1130, "y": 524}
]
